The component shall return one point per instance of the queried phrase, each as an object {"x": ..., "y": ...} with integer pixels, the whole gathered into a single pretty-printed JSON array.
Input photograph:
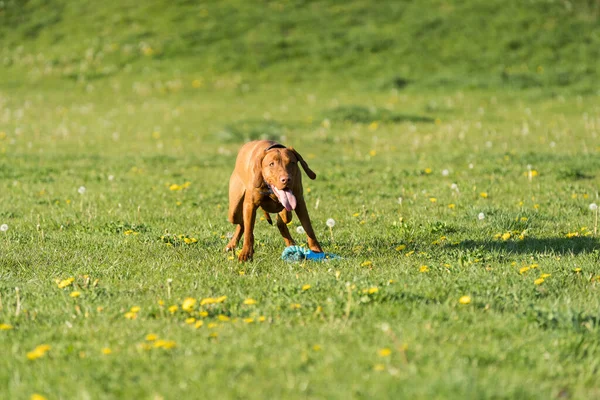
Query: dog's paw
[{"x": 245, "y": 255}]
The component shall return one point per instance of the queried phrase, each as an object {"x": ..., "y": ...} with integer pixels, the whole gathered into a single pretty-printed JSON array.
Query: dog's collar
[
  {"x": 275, "y": 146},
  {"x": 269, "y": 191}
]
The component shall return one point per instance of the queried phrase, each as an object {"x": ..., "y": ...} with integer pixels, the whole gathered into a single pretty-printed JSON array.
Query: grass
[{"x": 385, "y": 321}]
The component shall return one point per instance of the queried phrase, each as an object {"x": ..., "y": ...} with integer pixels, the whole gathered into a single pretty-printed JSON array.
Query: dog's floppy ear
[
  {"x": 257, "y": 176},
  {"x": 309, "y": 172}
]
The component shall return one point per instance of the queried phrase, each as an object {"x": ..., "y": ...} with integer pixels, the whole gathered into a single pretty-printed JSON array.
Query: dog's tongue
[{"x": 285, "y": 197}]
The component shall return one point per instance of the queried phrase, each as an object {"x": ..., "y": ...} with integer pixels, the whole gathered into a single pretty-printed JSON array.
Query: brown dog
[{"x": 267, "y": 175}]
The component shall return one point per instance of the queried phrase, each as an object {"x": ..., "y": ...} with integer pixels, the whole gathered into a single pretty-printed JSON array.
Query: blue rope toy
[{"x": 298, "y": 253}]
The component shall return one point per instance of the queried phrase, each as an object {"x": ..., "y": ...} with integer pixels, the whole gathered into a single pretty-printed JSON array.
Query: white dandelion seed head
[
  {"x": 300, "y": 230},
  {"x": 454, "y": 186},
  {"x": 81, "y": 190},
  {"x": 481, "y": 216},
  {"x": 445, "y": 172},
  {"x": 399, "y": 200},
  {"x": 330, "y": 222},
  {"x": 471, "y": 166},
  {"x": 111, "y": 177},
  {"x": 593, "y": 206},
  {"x": 3, "y": 227}
]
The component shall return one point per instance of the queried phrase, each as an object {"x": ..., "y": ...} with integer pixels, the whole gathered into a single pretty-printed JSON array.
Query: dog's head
[{"x": 278, "y": 168}]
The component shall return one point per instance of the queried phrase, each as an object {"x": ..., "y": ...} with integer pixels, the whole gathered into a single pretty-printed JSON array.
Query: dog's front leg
[
  {"x": 249, "y": 218},
  {"x": 302, "y": 213}
]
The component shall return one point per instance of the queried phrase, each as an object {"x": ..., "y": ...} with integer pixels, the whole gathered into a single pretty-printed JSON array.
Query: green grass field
[{"x": 455, "y": 145}]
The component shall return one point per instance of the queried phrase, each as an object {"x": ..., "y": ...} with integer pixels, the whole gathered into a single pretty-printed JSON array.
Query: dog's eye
[{"x": 272, "y": 164}]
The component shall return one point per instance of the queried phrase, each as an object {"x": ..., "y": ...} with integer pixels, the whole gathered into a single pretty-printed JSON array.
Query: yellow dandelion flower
[
  {"x": 373, "y": 290},
  {"x": 198, "y": 324},
  {"x": 223, "y": 318},
  {"x": 379, "y": 367},
  {"x": 173, "y": 309},
  {"x": 212, "y": 325},
  {"x": 316, "y": 347},
  {"x": 464, "y": 300},
  {"x": 401, "y": 247},
  {"x": 544, "y": 276},
  {"x": 423, "y": 268},
  {"x": 249, "y": 302},
  {"x": 75, "y": 294},
  {"x": 432, "y": 199},
  {"x": 151, "y": 337},
  {"x": 130, "y": 315},
  {"x": 207, "y": 300},
  {"x": 539, "y": 281},
  {"x": 372, "y": 153},
  {"x": 576, "y": 270},
  {"x": 373, "y": 126},
  {"x": 452, "y": 206},
  {"x": 65, "y": 282},
  {"x": 188, "y": 304},
  {"x": 203, "y": 314},
  {"x": 190, "y": 320},
  {"x": 295, "y": 306},
  {"x": 305, "y": 287},
  {"x": 135, "y": 309},
  {"x": 506, "y": 236},
  {"x": 165, "y": 344},
  {"x": 175, "y": 187},
  {"x": 5, "y": 327},
  {"x": 248, "y": 320},
  {"x": 220, "y": 299},
  {"x": 524, "y": 219},
  {"x": 36, "y": 396},
  {"x": 366, "y": 263},
  {"x": 385, "y": 352},
  {"x": 106, "y": 351},
  {"x": 523, "y": 270},
  {"x": 196, "y": 83},
  {"x": 262, "y": 318},
  {"x": 536, "y": 206},
  {"x": 355, "y": 214},
  {"x": 38, "y": 352},
  {"x": 410, "y": 253},
  {"x": 213, "y": 335},
  {"x": 428, "y": 171},
  {"x": 483, "y": 195},
  {"x": 161, "y": 302}
]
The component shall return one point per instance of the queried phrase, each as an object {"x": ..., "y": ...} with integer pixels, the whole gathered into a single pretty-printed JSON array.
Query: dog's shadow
[{"x": 550, "y": 245}]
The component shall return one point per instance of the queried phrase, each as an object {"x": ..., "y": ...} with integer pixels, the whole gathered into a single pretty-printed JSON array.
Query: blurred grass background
[{"x": 383, "y": 44}]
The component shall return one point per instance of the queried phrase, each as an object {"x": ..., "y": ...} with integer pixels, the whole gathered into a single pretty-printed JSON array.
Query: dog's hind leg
[{"x": 284, "y": 218}]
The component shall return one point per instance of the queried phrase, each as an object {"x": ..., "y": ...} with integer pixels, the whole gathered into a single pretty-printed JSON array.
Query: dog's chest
[{"x": 268, "y": 201}]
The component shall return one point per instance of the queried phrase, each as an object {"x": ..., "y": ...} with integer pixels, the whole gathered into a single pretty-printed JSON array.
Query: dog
[{"x": 267, "y": 175}]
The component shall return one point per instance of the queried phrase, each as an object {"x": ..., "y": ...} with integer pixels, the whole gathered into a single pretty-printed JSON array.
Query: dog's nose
[{"x": 285, "y": 180}]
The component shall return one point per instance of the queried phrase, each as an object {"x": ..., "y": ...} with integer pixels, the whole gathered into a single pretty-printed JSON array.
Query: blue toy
[{"x": 297, "y": 253}]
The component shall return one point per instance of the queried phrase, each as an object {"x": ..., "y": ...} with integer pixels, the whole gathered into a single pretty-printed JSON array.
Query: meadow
[{"x": 465, "y": 208}]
